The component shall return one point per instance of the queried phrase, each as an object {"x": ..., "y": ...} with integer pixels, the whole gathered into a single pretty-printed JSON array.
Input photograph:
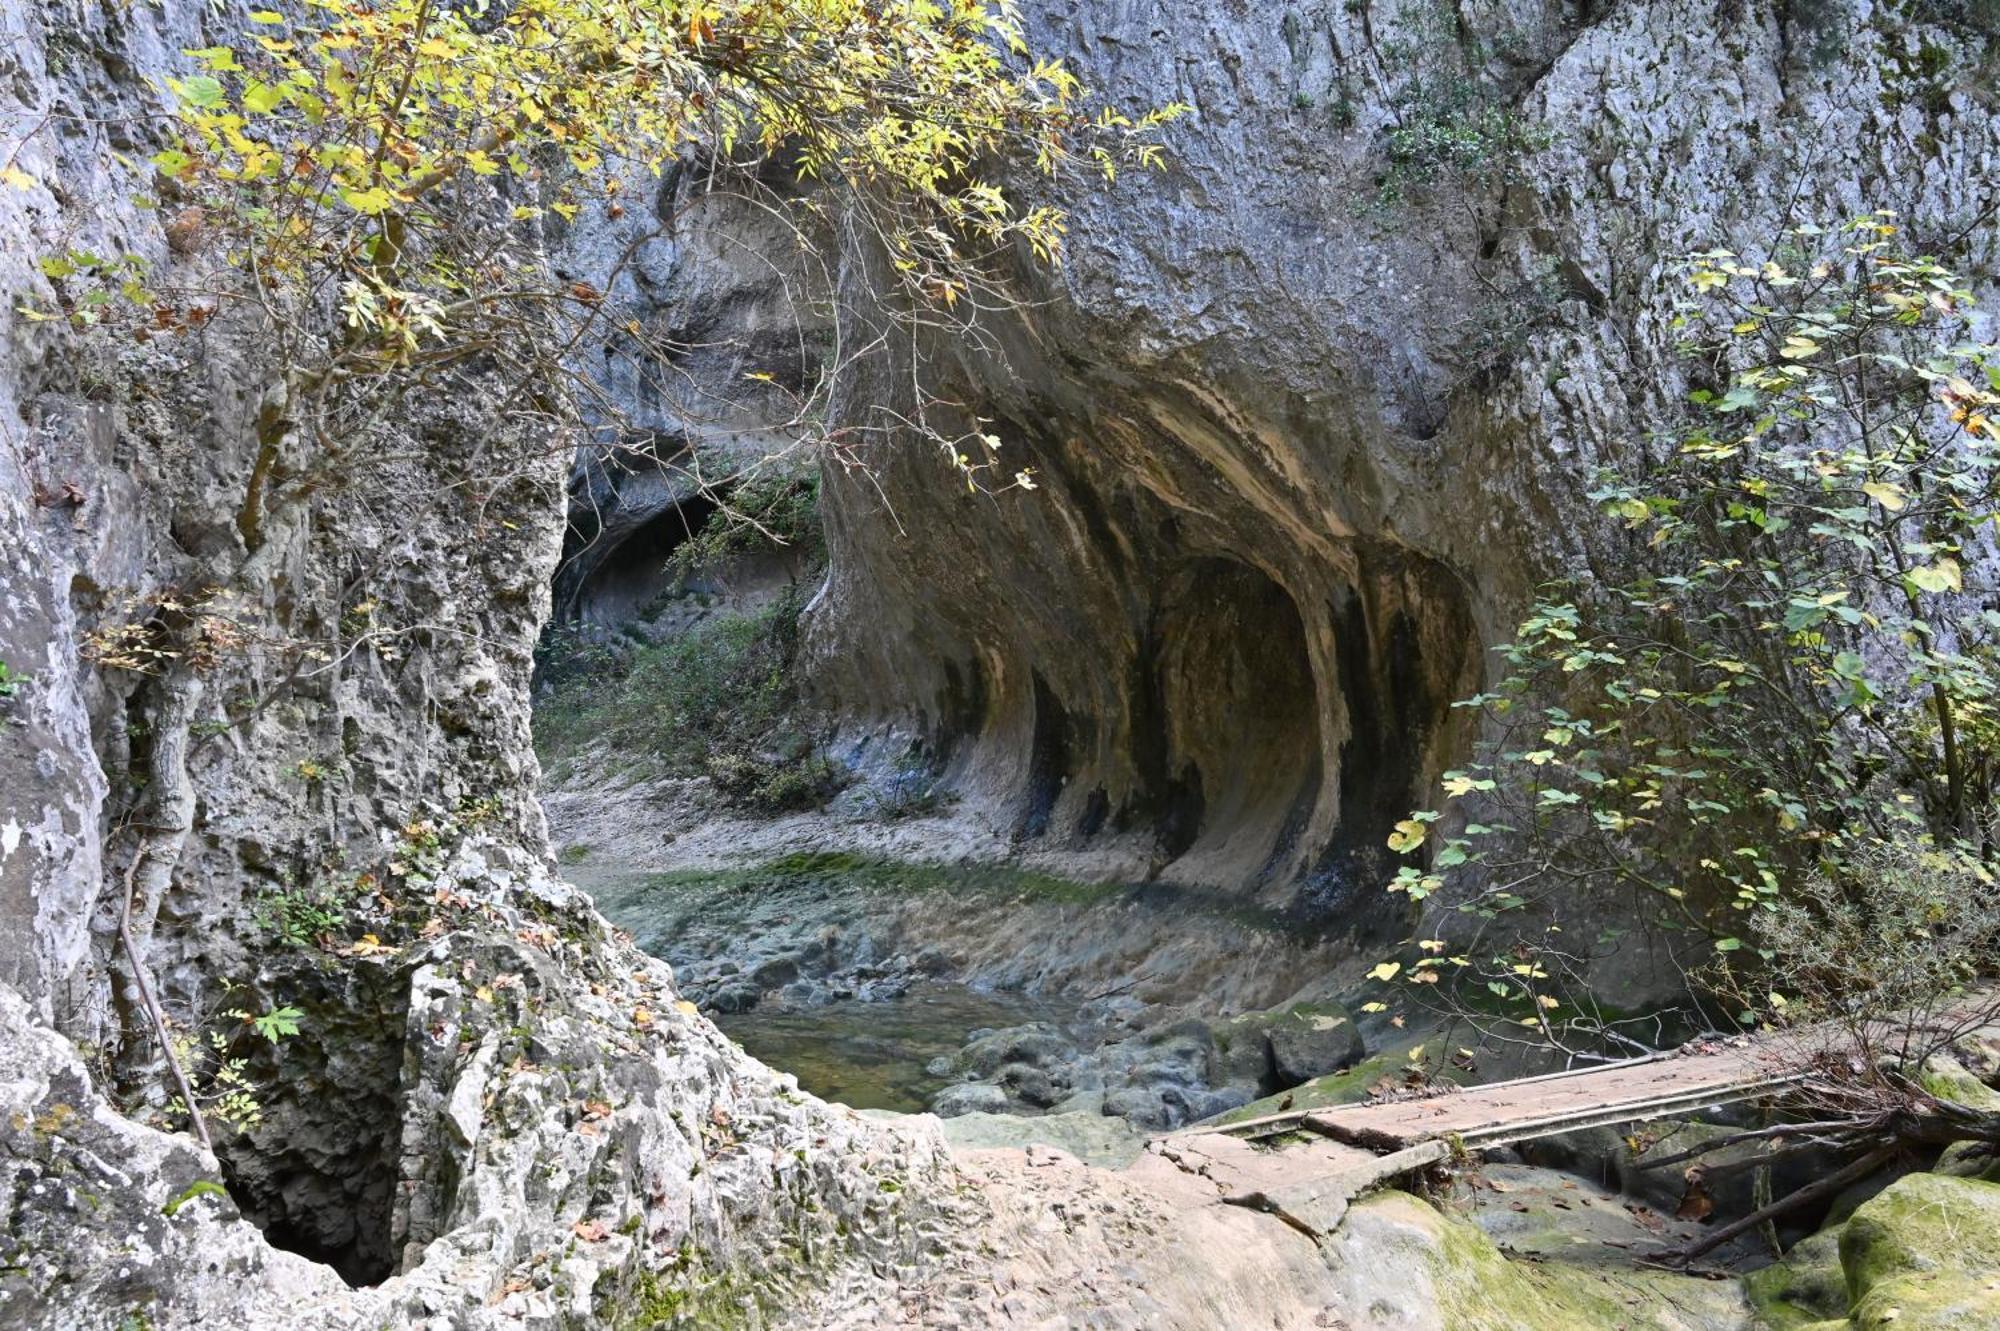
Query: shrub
[
  {"x": 719, "y": 701},
  {"x": 1450, "y": 123},
  {"x": 1798, "y": 685}
]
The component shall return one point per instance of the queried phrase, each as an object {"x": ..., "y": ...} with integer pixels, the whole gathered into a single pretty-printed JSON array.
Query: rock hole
[
  {"x": 615, "y": 562},
  {"x": 318, "y": 1174},
  {"x": 1048, "y": 760}
]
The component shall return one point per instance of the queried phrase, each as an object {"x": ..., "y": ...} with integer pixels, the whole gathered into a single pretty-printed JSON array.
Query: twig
[
  {"x": 145, "y": 989},
  {"x": 1758, "y": 1134}
]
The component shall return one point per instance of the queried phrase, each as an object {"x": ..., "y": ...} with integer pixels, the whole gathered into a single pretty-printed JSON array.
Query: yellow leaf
[
  {"x": 1409, "y": 834},
  {"x": 1799, "y": 348},
  {"x": 1887, "y": 495},
  {"x": 1388, "y": 970},
  {"x": 436, "y": 47},
  {"x": 16, "y": 177}
]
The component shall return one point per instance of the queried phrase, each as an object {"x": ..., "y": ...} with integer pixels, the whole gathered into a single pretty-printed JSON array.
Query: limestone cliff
[{"x": 1313, "y": 412}]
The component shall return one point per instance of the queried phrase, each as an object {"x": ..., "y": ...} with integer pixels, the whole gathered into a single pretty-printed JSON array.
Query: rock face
[
  {"x": 493, "y": 1111},
  {"x": 1304, "y": 449}
]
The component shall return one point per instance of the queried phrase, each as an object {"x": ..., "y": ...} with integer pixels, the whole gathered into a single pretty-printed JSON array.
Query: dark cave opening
[
  {"x": 615, "y": 566},
  {"x": 1239, "y": 707},
  {"x": 318, "y": 1173},
  {"x": 1399, "y": 659}
]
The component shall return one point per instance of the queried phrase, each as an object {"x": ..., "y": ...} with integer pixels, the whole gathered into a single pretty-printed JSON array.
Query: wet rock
[
  {"x": 1308, "y": 1042},
  {"x": 735, "y": 998},
  {"x": 775, "y": 973},
  {"x": 975, "y": 1097},
  {"x": 1029, "y": 1084},
  {"x": 1037, "y": 1045}
]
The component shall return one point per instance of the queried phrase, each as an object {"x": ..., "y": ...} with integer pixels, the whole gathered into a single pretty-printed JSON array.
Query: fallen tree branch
[
  {"x": 1854, "y": 1172},
  {"x": 146, "y": 1000},
  {"x": 1759, "y": 1134}
]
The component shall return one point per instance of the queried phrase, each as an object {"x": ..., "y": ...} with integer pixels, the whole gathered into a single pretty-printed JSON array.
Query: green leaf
[
  {"x": 200, "y": 90},
  {"x": 1943, "y": 576},
  {"x": 278, "y": 1023},
  {"x": 263, "y": 98},
  {"x": 369, "y": 201}
]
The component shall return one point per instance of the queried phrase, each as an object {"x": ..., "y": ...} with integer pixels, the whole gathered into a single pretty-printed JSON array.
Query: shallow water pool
[{"x": 872, "y": 1055}]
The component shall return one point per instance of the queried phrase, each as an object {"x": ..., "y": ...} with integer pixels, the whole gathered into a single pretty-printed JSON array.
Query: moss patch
[
  {"x": 1340, "y": 1088},
  {"x": 1924, "y": 1255},
  {"x": 1476, "y": 1288},
  {"x": 1807, "y": 1289}
]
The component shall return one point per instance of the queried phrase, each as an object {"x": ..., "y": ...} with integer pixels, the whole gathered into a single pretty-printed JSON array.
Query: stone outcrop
[
  {"x": 1304, "y": 448},
  {"x": 322, "y": 801}
]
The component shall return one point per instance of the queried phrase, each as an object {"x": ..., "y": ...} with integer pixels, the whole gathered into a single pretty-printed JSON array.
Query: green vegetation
[
  {"x": 10, "y": 682},
  {"x": 1452, "y": 125},
  {"x": 298, "y": 916},
  {"x": 1793, "y": 702},
  {"x": 201, "y": 1187},
  {"x": 719, "y": 701},
  {"x": 761, "y": 513}
]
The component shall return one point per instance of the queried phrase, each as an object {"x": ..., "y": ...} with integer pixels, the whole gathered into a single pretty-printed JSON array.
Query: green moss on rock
[
  {"x": 1807, "y": 1289},
  {"x": 1924, "y": 1255},
  {"x": 1419, "y": 1257}
]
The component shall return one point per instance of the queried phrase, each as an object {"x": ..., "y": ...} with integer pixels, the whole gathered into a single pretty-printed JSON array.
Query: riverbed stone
[
  {"x": 1037, "y": 1045},
  {"x": 972, "y": 1097}
]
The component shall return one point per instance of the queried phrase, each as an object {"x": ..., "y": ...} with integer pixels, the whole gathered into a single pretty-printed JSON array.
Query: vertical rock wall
[
  {"x": 1309, "y": 431},
  {"x": 493, "y": 1111}
]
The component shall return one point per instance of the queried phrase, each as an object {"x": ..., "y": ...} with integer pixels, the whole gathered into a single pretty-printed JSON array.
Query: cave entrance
[
  {"x": 1404, "y": 649},
  {"x": 615, "y": 566}
]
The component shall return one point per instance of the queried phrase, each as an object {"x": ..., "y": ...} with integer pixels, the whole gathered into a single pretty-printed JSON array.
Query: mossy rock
[
  {"x": 1808, "y": 1289},
  {"x": 1925, "y": 1256},
  {"x": 1412, "y": 1266},
  {"x": 1947, "y": 1079},
  {"x": 1289, "y": 1045},
  {"x": 1341, "y": 1088},
  {"x": 1980, "y": 1160}
]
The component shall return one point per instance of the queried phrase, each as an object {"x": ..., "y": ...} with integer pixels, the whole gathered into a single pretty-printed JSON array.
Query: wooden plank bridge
[{"x": 1305, "y": 1166}]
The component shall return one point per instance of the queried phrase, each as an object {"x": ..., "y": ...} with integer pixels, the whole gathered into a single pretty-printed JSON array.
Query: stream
[
  {"x": 969, "y": 991},
  {"x": 881, "y": 1054}
]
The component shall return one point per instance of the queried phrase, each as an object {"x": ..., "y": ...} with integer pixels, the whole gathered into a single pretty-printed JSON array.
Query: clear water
[{"x": 872, "y": 1055}]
